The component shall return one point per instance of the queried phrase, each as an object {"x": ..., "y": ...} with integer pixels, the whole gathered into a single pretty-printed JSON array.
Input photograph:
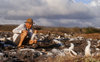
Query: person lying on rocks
[{"x": 23, "y": 34}]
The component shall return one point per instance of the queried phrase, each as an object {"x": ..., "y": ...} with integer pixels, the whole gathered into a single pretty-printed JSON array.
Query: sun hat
[{"x": 30, "y": 20}]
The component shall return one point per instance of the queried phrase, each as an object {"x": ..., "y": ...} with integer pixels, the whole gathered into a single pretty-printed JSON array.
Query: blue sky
[{"x": 84, "y": 1}]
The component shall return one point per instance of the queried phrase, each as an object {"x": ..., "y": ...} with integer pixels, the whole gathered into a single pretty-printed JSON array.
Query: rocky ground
[{"x": 52, "y": 48}]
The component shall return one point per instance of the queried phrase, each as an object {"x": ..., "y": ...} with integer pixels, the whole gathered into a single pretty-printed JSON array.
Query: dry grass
[
  {"x": 55, "y": 29},
  {"x": 92, "y": 35},
  {"x": 7, "y": 27},
  {"x": 70, "y": 59},
  {"x": 76, "y": 59}
]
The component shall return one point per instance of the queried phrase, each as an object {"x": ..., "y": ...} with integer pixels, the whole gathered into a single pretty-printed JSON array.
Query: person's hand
[
  {"x": 35, "y": 41},
  {"x": 31, "y": 42},
  {"x": 35, "y": 31}
]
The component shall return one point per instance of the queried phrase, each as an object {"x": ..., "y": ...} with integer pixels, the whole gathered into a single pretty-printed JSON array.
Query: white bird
[
  {"x": 59, "y": 37},
  {"x": 55, "y": 51},
  {"x": 65, "y": 50},
  {"x": 87, "y": 49},
  {"x": 46, "y": 35},
  {"x": 71, "y": 47},
  {"x": 1, "y": 56},
  {"x": 62, "y": 54},
  {"x": 80, "y": 38},
  {"x": 72, "y": 39},
  {"x": 98, "y": 41},
  {"x": 41, "y": 34},
  {"x": 26, "y": 49},
  {"x": 58, "y": 52},
  {"x": 57, "y": 41},
  {"x": 70, "y": 50},
  {"x": 2, "y": 39},
  {"x": 73, "y": 53},
  {"x": 9, "y": 38},
  {"x": 49, "y": 54}
]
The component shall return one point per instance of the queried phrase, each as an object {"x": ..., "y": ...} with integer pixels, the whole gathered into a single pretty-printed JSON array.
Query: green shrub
[{"x": 91, "y": 30}]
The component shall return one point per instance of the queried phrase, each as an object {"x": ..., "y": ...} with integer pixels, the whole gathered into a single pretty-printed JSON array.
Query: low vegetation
[
  {"x": 44, "y": 29},
  {"x": 90, "y": 31}
]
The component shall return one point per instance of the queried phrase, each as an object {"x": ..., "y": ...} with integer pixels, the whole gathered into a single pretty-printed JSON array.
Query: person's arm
[
  {"x": 34, "y": 34},
  {"x": 18, "y": 29},
  {"x": 32, "y": 38}
]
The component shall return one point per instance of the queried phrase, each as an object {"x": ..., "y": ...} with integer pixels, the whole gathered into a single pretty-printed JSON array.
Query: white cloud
[
  {"x": 64, "y": 22},
  {"x": 95, "y": 3},
  {"x": 6, "y": 21},
  {"x": 44, "y": 7},
  {"x": 44, "y": 22},
  {"x": 50, "y": 12}
]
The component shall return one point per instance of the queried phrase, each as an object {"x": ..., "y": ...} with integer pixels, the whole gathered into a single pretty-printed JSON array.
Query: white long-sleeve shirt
[{"x": 19, "y": 29}]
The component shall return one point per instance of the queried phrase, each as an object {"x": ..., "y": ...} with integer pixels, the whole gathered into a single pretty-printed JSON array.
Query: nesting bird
[
  {"x": 71, "y": 50},
  {"x": 1, "y": 56},
  {"x": 87, "y": 49},
  {"x": 26, "y": 49}
]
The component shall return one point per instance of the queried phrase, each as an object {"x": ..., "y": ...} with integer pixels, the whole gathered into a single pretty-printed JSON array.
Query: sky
[
  {"x": 84, "y": 1},
  {"x": 60, "y": 13}
]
